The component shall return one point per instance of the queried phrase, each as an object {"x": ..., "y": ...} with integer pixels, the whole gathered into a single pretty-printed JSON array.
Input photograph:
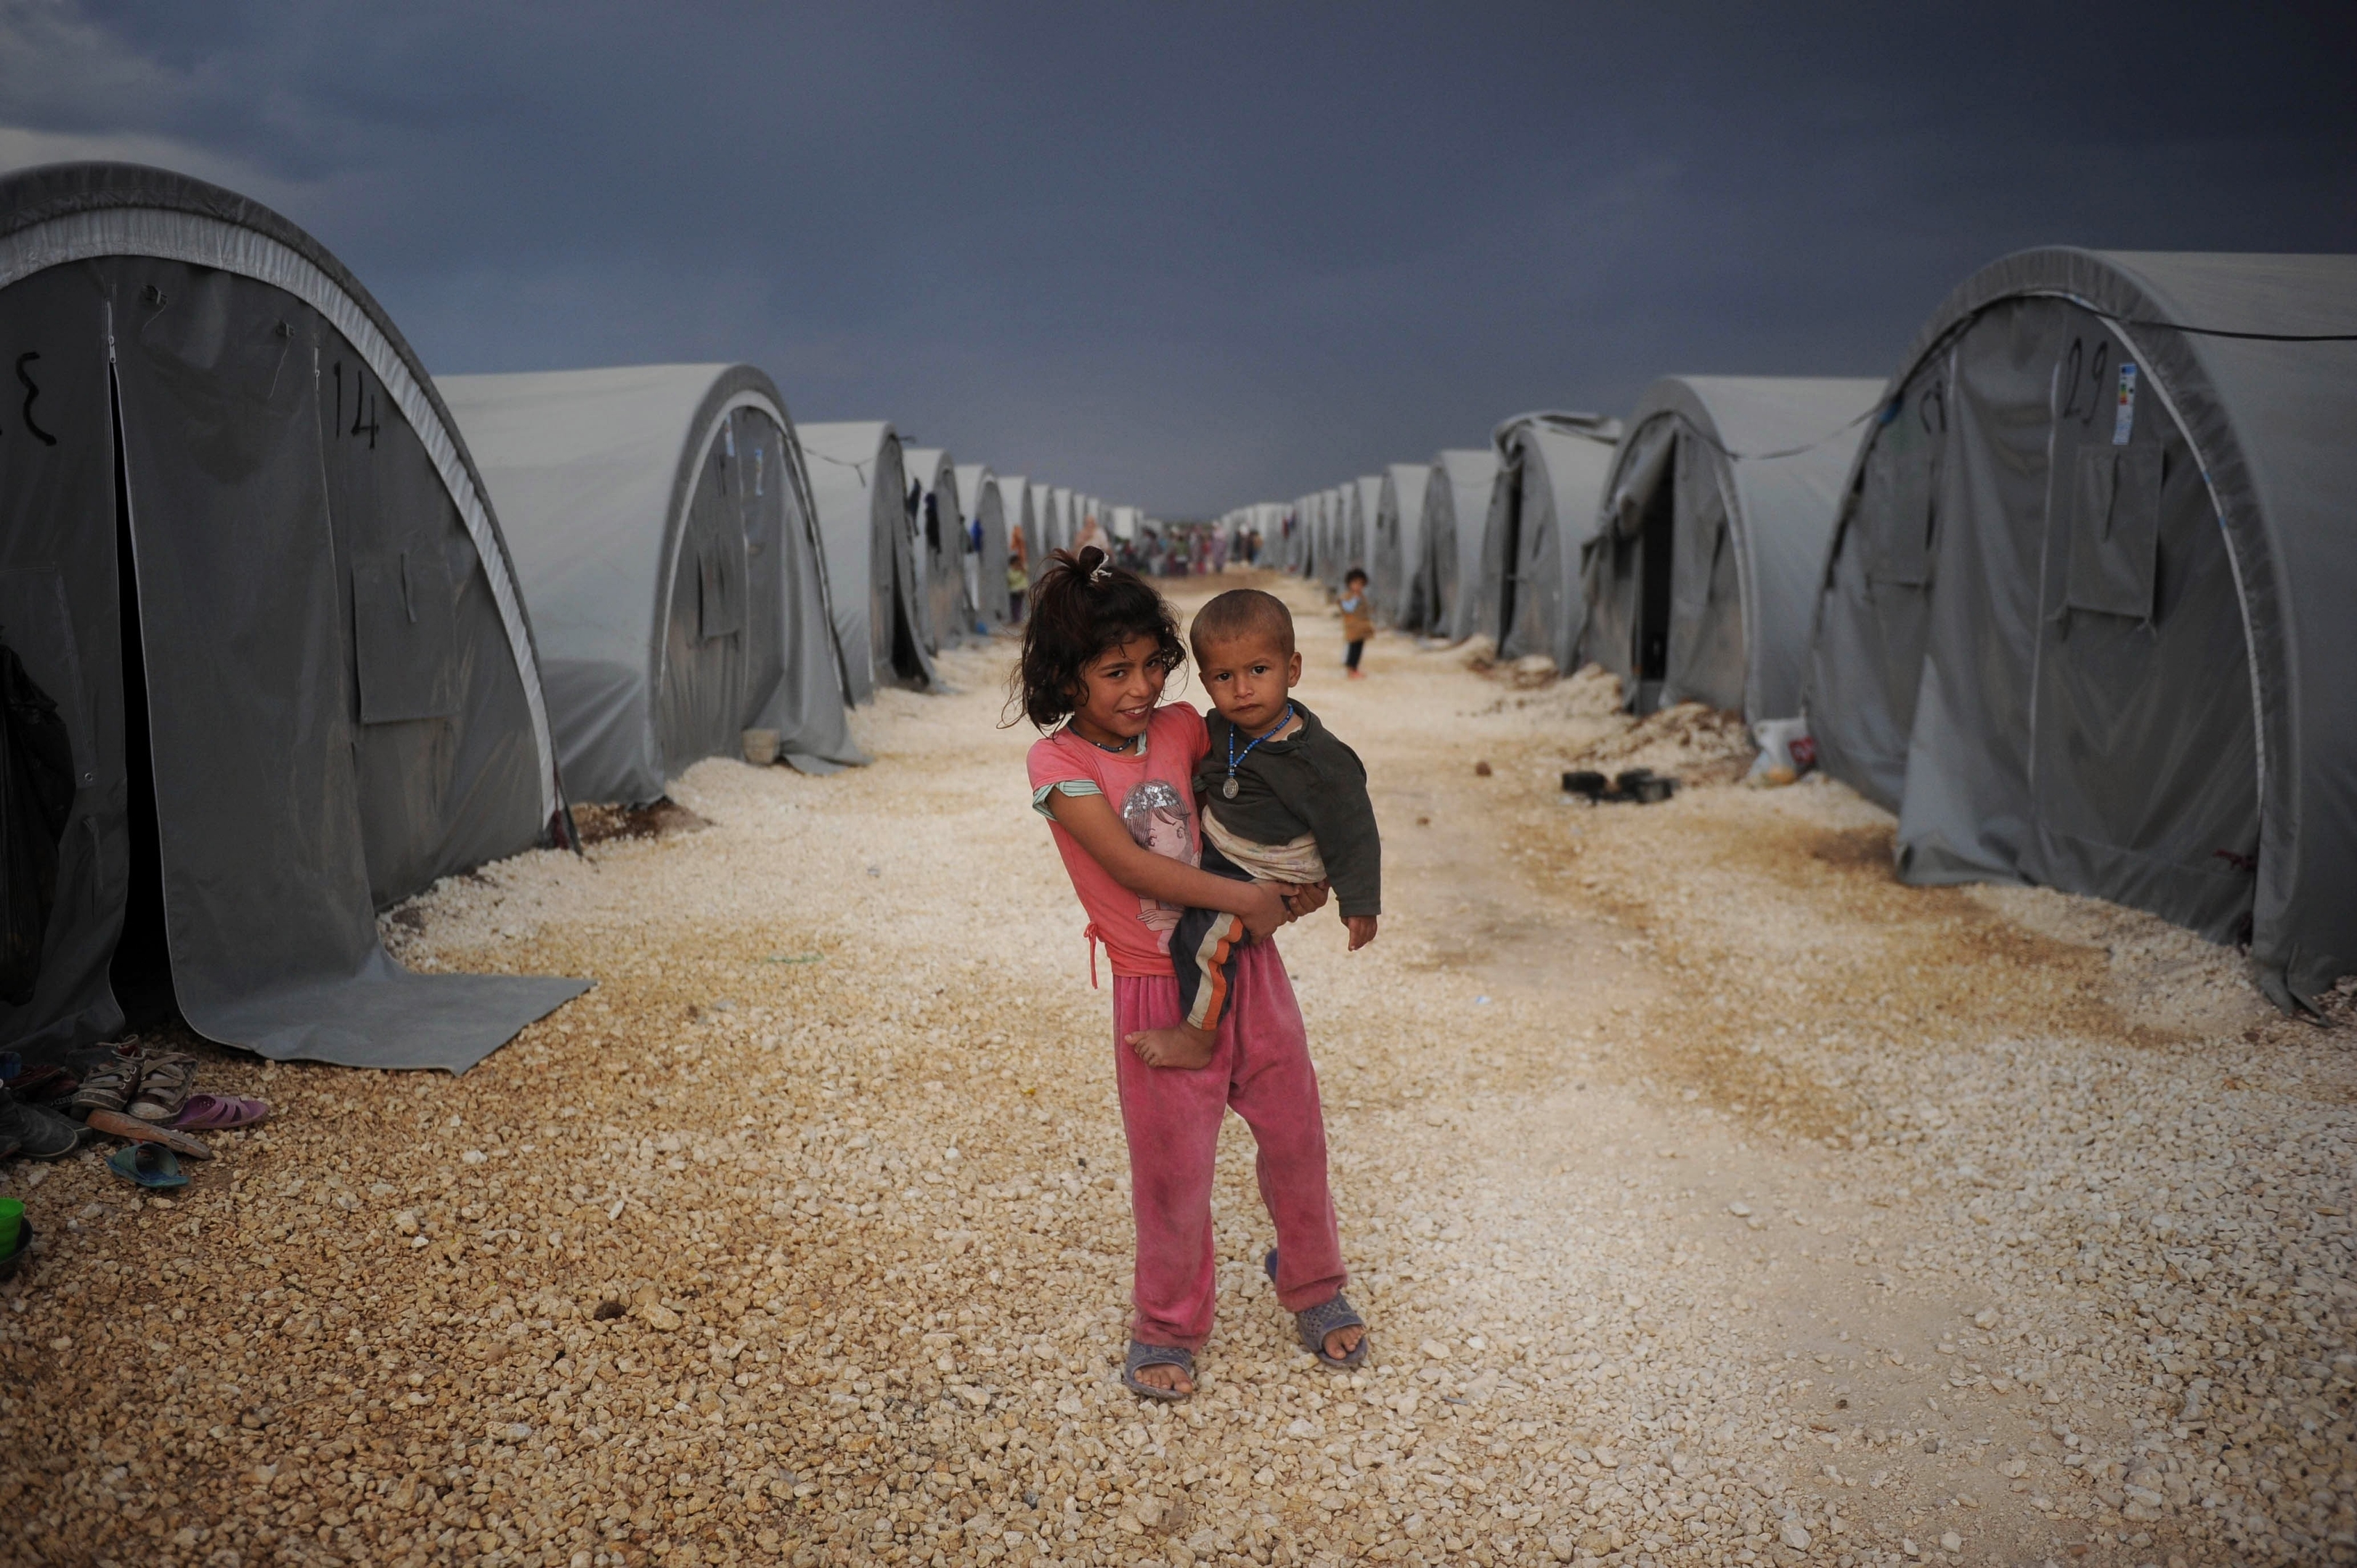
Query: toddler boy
[{"x": 1281, "y": 800}]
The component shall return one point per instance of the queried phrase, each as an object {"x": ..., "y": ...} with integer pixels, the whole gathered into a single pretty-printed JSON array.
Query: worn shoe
[
  {"x": 40, "y": 1133},
  {"x": 108, "y": 1082},
  {"x": 164, "y": 1086}
]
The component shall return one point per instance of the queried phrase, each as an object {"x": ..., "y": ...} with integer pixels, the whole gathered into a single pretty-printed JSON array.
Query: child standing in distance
[
  {"x": 1115, "y": 782},
  {"x": 1358, "y": 620},
  {"x": 1283, "y": 801}
]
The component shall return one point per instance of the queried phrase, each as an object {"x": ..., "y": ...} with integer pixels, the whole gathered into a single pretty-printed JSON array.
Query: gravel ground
[{"x": 1714, "y": 1200}]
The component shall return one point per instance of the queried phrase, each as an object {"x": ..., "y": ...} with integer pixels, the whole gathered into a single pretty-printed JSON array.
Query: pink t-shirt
[{"x": 1150, "y": 792}]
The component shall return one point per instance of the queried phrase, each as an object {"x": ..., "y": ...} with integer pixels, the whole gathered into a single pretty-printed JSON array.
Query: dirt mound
[{"x": 1698, "y": 745}]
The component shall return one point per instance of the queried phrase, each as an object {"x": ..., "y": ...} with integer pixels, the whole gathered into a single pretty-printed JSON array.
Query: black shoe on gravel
[
  {"x": 109, "y": 1079},
  {"x": 40, "y": 1133}
]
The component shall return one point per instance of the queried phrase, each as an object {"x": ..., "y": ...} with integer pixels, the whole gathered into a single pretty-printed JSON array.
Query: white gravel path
[{"x": 1714, "y": 1200}]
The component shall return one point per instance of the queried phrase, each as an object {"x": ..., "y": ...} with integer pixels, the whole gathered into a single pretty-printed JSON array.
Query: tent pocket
[
  {"x": 1899, "y": 497},
  {"x": 2114, "y": 530},
  {"x": 404, "y": 624},
  {"x": 719, "y": 596}
]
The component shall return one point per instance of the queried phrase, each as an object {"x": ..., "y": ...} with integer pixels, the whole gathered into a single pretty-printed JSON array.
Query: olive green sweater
[{"x": 1310, "y": 783}]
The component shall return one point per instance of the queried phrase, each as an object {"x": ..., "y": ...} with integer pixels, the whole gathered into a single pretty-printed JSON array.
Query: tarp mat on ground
[
  {"x": 2086, "y": 622},
  {"x": 244, "y": 550},
  {"x": 1702, "y": 573}
]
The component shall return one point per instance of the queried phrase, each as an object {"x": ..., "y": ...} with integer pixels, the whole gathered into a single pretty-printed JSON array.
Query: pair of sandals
[{"x": 1311, "y": 1326}]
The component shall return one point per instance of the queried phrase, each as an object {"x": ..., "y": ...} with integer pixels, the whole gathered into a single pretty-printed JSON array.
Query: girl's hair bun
[{"x": 1084, "y": 603}]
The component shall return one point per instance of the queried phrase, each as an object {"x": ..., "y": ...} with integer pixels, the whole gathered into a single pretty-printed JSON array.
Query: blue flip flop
[
  {"x": 149, "y": 1164},
  {"x": 1313, "y": 1324},
  {"x": 1144, "y": 1356}
]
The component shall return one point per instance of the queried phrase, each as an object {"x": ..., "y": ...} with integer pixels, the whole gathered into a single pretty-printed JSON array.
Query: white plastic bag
[{"x": 1786, "y": 751}]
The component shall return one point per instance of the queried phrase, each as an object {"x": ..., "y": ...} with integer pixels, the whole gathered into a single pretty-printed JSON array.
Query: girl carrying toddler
[{"x": 1113, "y": 774}]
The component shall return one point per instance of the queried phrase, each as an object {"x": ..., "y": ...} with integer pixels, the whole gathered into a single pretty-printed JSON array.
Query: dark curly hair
[{"x": 1081, "y": 605}]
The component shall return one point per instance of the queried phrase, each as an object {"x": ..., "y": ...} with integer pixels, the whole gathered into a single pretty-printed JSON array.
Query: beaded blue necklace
[{"x": 1228, "y": 790}]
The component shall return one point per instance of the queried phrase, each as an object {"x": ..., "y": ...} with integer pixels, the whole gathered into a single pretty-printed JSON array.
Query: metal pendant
[{"x": 1228, "y": 790}]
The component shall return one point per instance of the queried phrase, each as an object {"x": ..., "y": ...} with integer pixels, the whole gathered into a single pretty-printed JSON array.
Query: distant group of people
[{"x": 1187, "y": 552}]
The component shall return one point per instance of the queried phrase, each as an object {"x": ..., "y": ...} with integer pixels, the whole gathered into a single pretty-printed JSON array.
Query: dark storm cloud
[{"x": 1198, "y": 255}]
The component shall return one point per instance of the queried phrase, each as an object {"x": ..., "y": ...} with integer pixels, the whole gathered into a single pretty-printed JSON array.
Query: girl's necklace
[
  {"x": 1228, "y": 790},
  {"x": 1123, "y": 749}
]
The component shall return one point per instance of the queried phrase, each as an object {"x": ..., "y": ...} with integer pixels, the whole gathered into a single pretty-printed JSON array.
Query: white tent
[
  {"x": 2087, "y": 622},
  {"x": 663, "y": 536},
  {"x": 1456, "y": 505},
  {"x": 1363, "y": 498},
  {"x": 1701, "y": 578},
  {"x": 936, "y": 518},
  {"x": 871, "y": 560},
  {"x": 1551, "y": 475},
  {"x": 1398, "y": 548},
  {"x": 245, "y": 553},
  {"x": 985, "y": 549}
]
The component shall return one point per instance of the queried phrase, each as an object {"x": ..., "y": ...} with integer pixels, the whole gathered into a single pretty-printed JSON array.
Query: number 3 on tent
[{"x": 31, "y": 391}]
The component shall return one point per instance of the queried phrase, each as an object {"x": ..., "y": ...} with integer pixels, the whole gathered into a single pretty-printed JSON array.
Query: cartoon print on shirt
[{"x": 1157, "y": 818}]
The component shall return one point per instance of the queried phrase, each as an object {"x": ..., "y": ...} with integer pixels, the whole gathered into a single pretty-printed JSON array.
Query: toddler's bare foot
[
  {"x": 1176, "y": 1047},
  {"x": 1174, "y": 1378}
]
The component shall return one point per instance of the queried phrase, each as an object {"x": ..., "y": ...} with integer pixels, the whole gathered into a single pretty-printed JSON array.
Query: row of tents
[
  {"x": 316, "y": 627},
  {"x": 2073, "y": 593}
]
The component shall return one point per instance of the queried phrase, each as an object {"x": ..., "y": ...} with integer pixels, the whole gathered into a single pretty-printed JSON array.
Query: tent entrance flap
[
  {"x": 140, "y": 973},
  {"x": 241, "y": 627},
  {"x": 1657, "y": 561}
]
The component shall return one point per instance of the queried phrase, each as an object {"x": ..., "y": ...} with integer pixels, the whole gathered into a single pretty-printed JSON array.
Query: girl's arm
[{"x": 1091, "y": 820}]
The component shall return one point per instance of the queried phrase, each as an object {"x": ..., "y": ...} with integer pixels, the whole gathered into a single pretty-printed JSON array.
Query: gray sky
[{"x": 1196, "y": 256}]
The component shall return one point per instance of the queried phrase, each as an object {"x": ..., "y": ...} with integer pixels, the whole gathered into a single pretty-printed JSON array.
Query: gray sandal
[
  {"x": 1144, "y": 1356},
  {"x": 1313, "y": 1324}
]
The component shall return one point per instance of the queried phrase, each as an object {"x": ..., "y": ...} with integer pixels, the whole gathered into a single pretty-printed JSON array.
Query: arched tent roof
[
  {"x": 984, "y": 496},
  {"x": 1456, "y": 505},
  {"x": 1399, "y": 543},
  {"x": 1551, "y": 475},
  {"x": 1701, "y": 575},
  {"x": 341, "y": 694},
  {"x": 871, "y": 562},
  {"x": 2086, "y": 619},
  {"x": 933, "y": 476},
  {"x": 661, "y": 526}
]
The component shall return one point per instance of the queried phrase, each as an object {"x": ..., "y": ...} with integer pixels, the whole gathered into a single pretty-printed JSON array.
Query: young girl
[{"x": 1115, "y": 782}]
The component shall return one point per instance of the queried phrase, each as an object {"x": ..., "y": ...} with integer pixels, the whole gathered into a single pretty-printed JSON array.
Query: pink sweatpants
[{"x": 1261, "y": 1066}]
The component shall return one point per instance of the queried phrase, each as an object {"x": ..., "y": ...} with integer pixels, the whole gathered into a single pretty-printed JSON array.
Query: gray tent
[
  {"x": 872, "y": 577},
  {"x": 1041, "y": 535},
  {"x": 1701, "y": 576},
  {"x": 1064, "y": 518},
  {"x": 662, "y": 533},
  {"x": 1398, "y": 547},
  {"x": 1334, "y": 558},
  {"x": 245, "y": 554},
  {"x": 2087, "y": 619},
  {"x": 985, "y": 496},
  {"x": 1455, "y": 507},
  {"x": 1550, "y": 474},
  {"x": 934, "y": 515},
  {"x": 1363, "y": 498}
]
